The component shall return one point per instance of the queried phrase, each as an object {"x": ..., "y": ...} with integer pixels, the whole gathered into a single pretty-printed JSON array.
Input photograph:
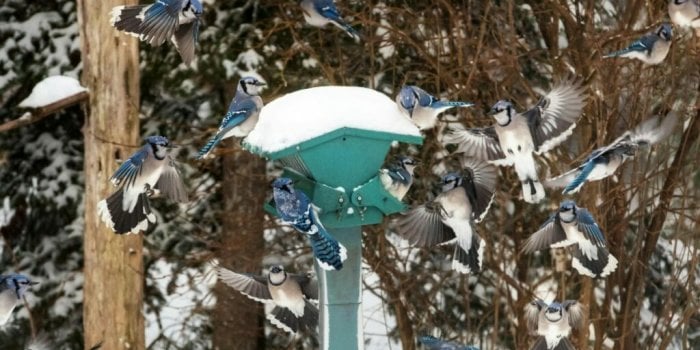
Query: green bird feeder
[{"x": 332, "y": 142}]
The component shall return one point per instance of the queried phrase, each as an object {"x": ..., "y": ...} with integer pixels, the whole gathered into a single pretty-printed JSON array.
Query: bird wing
[
  {"x": 424, "y": 98},
  {"x": 252, "y": 286},
  {"x": 327, "y": 9},
  {"x": 532, "y": 314},
  {"x": 308, "y": 284},
  {"x": 575, "y": 313},
  {"x": 422, "y": 226},
  {"x": 653, "y": 130},
  {"x": 239, "y": 110},
  {"x": 483, "y": 188},
  {"x": 564, "y": 344},
  {"x": 480, "y": 143},
  {"x": 554, "y": 117},
  {"x": 586, "y": 224},
  {"x": 644, "y": 44},
  {"x": 170, "y": 183},
  {"x": 160, "y": 21},
  {"x": 549, "y": 233},
  {"x": 582, "y": 173},
  {"x": 185, "y": 38},
  {"x": 130, "y": 169}
]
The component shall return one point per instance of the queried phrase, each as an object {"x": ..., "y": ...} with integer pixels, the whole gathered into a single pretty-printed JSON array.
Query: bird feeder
[{"x": 332, "y": 141}]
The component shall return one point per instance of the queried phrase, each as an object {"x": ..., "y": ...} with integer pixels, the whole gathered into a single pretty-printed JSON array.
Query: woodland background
[{"x": 471, "y": 50}]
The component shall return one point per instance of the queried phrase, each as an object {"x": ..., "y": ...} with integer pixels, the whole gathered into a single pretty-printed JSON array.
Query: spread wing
[
  {"x": 423, "y": 226},
  {"x": 586, "y": 224},
  {"x": 308, "y": 284},
  {"x": 130, "y": 169},
  {"x": 554, "y": 117},
  {"x": 549, "y": 233},
  {"x": 252, "y": 286},
  {"x": 481, "y": 190},
  {"x": 170, "y": 183},
  {"x": 575, "y": 313},
  {"x": 532, "y": 314},
  {"x": 160, "y": 21},
  {"x": 185, "y": 38},
  {"x": 480, "y": 143}
]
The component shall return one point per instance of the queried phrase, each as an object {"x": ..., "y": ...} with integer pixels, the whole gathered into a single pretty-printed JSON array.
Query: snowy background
[{"x": 478, "y": 51}]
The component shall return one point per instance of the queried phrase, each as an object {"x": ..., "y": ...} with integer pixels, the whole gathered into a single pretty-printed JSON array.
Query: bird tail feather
[
  {"x": 209, "y": 146},
  {"x": 533, "y": 191},
  {"x": 471, "y": 260},
  {"x": 450, "y": 104},
  {"x": 580, "y": 179},
  {"x": 618, "y": 53},
  {"x": 121, "y": 221},
  {"x": 329, "y": 253}
]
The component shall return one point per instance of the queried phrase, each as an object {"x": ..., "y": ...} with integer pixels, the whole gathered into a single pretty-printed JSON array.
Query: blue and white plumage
[
  {"x": 291, "y": 294},
  {"x": 432, "y": 343},
  {"x": 175, "y": 20},
  {"x": 423, "y": 108},
  {"x": 685, "y": 13},
  {"x": 576, "y": 227},
  {"x": 605, "y": 161},
  {"x": 295, "y": 208},
  {"x": 553, "y": 323},
  {"x": 652, "y": 48},
  {"x": 12, "y": 288},
  {"x": 319, "y": 13},
  {"x": 398, "y": 177},
  {"x": 149, "y": 170},
  {"x": 516, "y": 136},
  {"x": 242, "y": 115},
  {"x": 465, "y": 198}
]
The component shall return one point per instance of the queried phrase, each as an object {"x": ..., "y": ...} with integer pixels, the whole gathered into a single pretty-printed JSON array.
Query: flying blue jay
[
  {"x": 398, "y": 177},
  {"x": 12, "y": 288},
  {"x": 553, "y": 323},
  {"x": 295, "y": 208},
  {"x": 604, "y": 161},
  {"x": 148, "y": 171},
  {"x": 291, "y": 294},
  {"x": 318, "y": 13},
  {"x": 685, "y": 13},
  {"x": 516, "y": 136},
  {"x": 432, "y": 343},
  {"x": 242, "y": 114},
  {"x": 575, "y": 226},
  {"x": 466, "y": 198},
  {"x": 177, "y": 20},
  {"x": 652, "y": 48},
  {"x": 423, "y": 108}
]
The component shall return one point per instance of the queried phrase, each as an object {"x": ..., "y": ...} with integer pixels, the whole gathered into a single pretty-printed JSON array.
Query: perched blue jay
[
  {"x": 242, "y": 114},
  {"x": 295, "y": 208},
  {"x": 12, "y": 288},
  {"x": 604, "y": 161},
  {"x": 652, "y": 48},
  {"x": 291, "y": 295},
  {"x": 685, "y": 13},
  {"x": 318, "y": 13},
  {"x": 432, "y": 343},
  {"x": 148, "y": 171},
  {"x": 516, "y": 136},
  {"x": 177, "y": 20},
  {"x": 575, "y": 226},
  {"x": 553, "y": 323},
  {"x": 422, "y": 107},
  {"x": 398, "y": 177},
  {"x": 466, "y": 198}
]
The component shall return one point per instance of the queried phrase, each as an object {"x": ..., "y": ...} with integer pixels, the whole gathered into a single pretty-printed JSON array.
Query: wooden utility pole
[
  {"x": 238, "y": 320},
  {"x": 113, "y": 290}
]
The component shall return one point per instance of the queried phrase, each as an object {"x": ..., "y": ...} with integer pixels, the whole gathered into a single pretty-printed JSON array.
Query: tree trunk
[
  {"x": 113, "y": 290},
  {"x": 238, "y": 320}
]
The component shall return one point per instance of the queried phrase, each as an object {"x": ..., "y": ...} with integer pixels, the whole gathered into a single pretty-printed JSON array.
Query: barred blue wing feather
[
  {"x": 588, "y": 226},
  {"x": 581, "y": 177},
  {"x": 130, "y": 169}
]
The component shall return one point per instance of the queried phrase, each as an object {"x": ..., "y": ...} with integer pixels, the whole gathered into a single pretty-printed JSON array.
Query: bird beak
[
  {"x": 33, "y": 283},
  {"x": 491, "y": 112},
  {"x": 260, "y": 83},
  {"x": 171, "y": 146}
]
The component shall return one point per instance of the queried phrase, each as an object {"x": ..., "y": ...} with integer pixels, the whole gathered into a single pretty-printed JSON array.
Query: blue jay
[
  {"x": 177, "y": 20},
  {"x": 295, "y": 208},
  {"x": 148, "y": 171},
  {"x": 575, "y": 226},
  {"x": 291, "y": 294},
  {"x": 318, "y": 13},
  {"x": 685, "y": 13},
  {"x": 432, "y": 343},
  {"x": 652, "y": 48},
  {"x": 466, "y": 198},
  {"x": 398, "y": 177},
  {"x": 516, "y": 136},
  {"x": 423, "y": 108},
  {"x": 12, "y": 288},
  {"x": 242, "y": 115},
  {"x": 604, "y": 161},
  {"x": 553, "y": 323}
]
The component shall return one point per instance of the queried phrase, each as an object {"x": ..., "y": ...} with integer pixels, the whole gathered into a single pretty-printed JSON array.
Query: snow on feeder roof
[{"x": 306, "y": 114}]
